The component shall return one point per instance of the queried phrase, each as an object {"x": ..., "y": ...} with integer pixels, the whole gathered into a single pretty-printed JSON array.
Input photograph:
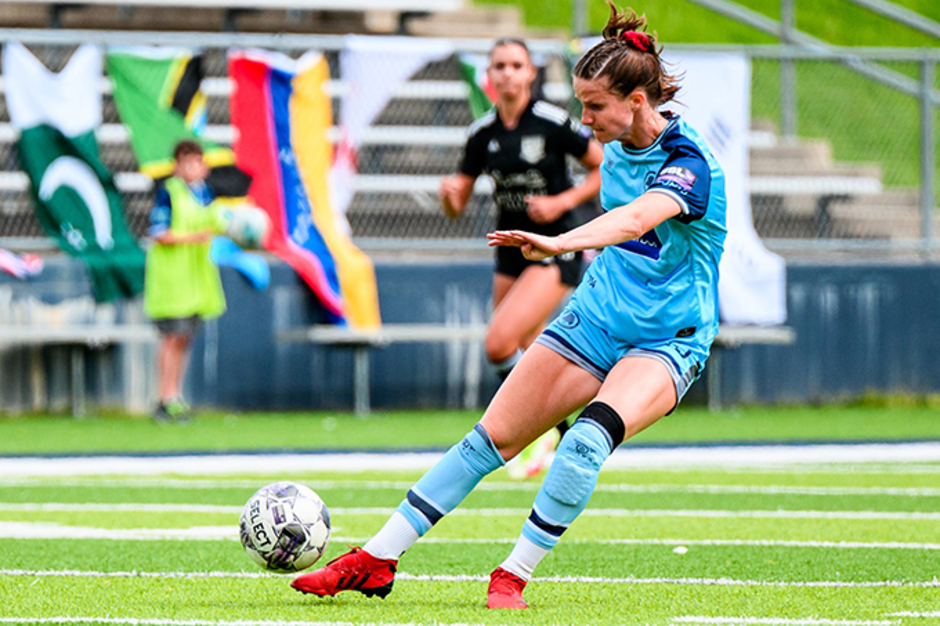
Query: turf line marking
[
  {"x": 705, "y": 513},
  {"x": 722, "y": 582},
  {"x": 623, "y": 458},
  {"x": 43, "y": 530},
  {"x": 762, "y": 543},
  {"x": 499, "y": 486},
  {"x": 134, "y": 621},
  {"x": 914, "y": 614},
  {"x": 778, "y": 621}
]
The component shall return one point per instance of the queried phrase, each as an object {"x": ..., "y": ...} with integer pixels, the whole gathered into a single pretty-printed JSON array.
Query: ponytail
[{"x": 629, "y": 58}]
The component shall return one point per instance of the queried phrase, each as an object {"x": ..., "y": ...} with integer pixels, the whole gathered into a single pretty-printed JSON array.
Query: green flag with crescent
[{"x": 75, "y": 197}]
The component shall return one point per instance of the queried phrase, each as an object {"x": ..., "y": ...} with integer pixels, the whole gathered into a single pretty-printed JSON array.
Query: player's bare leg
[{"x": 521, "y": 307}]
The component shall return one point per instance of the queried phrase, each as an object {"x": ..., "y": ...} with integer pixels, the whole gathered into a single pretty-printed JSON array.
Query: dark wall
[
  {"x": 860, "y": 328},
  {"x": 239, "y": 362}
]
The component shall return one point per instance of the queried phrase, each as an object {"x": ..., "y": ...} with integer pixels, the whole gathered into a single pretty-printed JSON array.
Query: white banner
[
  {"x": 372, "y": 69},
  {"x": 716, "y": 100}
]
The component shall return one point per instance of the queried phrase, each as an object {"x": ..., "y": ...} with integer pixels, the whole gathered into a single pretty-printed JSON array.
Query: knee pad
[{"x": 573, "y": 474}]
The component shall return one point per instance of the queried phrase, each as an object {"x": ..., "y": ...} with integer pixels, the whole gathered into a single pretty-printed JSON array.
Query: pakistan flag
[{"x": 74, "y": 195}]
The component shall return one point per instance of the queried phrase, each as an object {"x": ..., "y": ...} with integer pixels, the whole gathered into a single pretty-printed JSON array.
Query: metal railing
[{"x": 860, "y": 177}]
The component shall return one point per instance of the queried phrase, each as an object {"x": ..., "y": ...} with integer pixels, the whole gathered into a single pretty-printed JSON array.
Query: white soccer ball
[
  {"x": 285, "y": 527},
  {"x": 247, "y": 226}
]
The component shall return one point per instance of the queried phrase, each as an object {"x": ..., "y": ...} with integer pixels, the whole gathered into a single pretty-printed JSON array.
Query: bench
[
  {"x": 362, "y": 342},
  {"x": 731, "y": 337},
  {"x": 79, "y": 337},
  {"x": 826, "y": 190}
]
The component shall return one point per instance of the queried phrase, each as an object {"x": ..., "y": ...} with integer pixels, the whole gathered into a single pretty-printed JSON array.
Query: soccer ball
[
  {"x": 285, "y": 527},
  {"x": 247, "y": 226}
]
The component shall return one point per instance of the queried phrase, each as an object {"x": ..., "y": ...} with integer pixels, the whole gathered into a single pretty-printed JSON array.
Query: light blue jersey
[{"x": 657, "y": 295}]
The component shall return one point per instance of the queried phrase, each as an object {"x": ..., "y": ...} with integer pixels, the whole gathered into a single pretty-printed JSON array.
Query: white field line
[
  {"x": 704, "y": 513},
  {"x": 778, "y": 621},
  {"x": 720, "y": 582},
  {"x": 498, "y": 486},
  {"x": 133, "y": 621},
  {"x": 915, "y": 614},
  {"x": 33, "y": 530},
  {"x": 623, "y": 458}
]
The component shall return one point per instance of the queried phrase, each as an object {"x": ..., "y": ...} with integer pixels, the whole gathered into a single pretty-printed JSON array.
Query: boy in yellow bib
[{"x": 181, "y": 283}]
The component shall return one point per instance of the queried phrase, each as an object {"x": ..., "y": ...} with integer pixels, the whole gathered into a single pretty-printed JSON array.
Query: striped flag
[{"x": 282, "y": 114}]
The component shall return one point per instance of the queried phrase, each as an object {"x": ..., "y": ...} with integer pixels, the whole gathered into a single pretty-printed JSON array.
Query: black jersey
[{"x": 528, "y": 160}]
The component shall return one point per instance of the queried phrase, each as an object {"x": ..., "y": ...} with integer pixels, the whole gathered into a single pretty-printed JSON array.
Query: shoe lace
[
  {"x": 352, "y": 550},
  {"x": 506, "y": 582}
]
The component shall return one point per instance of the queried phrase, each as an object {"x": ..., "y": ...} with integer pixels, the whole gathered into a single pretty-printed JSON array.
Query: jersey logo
[
  {"x": 568, "y": 319},
  {"x": 532, "y": 148},
  {"x": 493, "y": 146},
  {"x": 677, "y": 177},
  {"x": 647, "y": 245}
]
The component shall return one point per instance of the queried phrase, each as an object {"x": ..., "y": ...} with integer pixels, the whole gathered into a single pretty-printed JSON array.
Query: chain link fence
[{"x": 852, "y": 176}]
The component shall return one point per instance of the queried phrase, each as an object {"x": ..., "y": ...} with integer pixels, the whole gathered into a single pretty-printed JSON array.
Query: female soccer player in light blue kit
[{"x": 635, "y": 335}]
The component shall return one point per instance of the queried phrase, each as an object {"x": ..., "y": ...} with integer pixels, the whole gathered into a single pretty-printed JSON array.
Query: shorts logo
[
  {"x": 532, "y": 148},
  {"x": 568, "y": 319},
  {"x": 677, "y": 177}
]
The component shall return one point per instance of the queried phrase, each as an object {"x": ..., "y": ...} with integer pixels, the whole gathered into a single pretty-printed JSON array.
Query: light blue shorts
[{"x": 595, "y": 350}]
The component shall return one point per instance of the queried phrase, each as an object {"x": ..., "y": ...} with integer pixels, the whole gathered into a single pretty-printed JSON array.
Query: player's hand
[
  {"x": 533, "y": 247},
  {"x": 202, "y": 236},
  {"x": 449, "y": 193},
  {"x": 545, "y": 209}
]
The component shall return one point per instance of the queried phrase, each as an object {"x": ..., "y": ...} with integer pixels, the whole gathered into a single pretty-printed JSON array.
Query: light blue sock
[
  {"x": 445, "y": 485},
  {"x": 569, "y": 484}
]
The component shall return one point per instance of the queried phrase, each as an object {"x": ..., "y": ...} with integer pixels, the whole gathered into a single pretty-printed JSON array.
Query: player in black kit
[{"x": 522, "y": 144}]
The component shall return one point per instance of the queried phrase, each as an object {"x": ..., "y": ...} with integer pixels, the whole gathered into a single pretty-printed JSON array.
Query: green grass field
[
  {"x": 878, "y": 419},
  {"x": 824, "y": 546},
  {"x": 798, "y": 545}
]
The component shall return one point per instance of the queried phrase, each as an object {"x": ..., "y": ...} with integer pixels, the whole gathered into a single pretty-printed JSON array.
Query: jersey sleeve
[
  {"x": 686, "y": 178},
  {"x": 574, "y": 138},
  {"x": 474, "y": 156},
  {"x": 161, "y": 215}
]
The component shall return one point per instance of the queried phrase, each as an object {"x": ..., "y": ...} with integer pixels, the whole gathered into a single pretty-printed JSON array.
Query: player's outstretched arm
[
  {"x": 622, "y": 224},
  {"x": 455, "y": 193}
]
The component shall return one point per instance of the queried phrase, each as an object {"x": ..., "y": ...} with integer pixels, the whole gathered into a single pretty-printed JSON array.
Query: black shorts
[
  {"x": 178, "y": 325},
  {"x": 509, "y": 261}
]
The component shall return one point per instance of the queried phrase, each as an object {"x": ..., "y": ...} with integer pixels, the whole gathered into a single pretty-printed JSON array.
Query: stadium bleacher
[{"x": 797, "y": 190}]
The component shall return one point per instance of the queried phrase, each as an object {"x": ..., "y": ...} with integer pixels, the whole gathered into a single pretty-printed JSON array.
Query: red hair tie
[{"x": 637, "y": 40}]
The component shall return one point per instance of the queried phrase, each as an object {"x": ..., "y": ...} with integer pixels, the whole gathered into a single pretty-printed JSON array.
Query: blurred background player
[
  {"x": 181, "y": 283},
  {"x": 633, "y": 338},
  {"x": 522, "y": 143}
]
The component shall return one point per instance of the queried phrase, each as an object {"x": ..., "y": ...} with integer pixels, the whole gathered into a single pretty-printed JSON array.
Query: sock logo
[{"x": 584, "y": 450}]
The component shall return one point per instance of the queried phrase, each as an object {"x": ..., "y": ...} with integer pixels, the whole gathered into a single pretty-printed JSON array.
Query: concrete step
[{"x": 489, "y": 22}]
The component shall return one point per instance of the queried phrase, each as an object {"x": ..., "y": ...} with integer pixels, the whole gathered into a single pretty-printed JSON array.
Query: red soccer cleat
[
  {"x": 505, "y": 591},
  {"x": 357, "y": 570}
]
